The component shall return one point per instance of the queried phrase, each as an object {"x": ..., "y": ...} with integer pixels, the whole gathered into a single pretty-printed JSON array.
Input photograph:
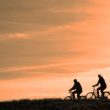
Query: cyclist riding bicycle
[
  {"x": 77, "y": 89},
  {"x": 102, "y": 86}
]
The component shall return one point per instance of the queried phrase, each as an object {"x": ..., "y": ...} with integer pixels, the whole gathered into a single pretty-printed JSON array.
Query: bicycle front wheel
[
  {"x": 107, "y": 95},
  {"x": 67, "y": 98},
  {"x": 90, "y": 95}
]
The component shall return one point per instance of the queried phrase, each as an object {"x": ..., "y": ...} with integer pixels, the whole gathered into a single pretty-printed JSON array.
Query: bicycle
[
  {"x": 73, "y": 98},
  {"x": 94, "y": 95}
]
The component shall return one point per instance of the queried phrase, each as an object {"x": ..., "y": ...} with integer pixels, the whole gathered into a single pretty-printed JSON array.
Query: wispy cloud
[
  {"x": 27, "y": 16},
  {"x": 13, "y": 36},
  {"x": 13, "y": 72}
]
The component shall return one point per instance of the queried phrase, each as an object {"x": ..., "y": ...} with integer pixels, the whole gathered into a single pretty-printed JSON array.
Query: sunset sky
[{"x": 45, "y": 44}]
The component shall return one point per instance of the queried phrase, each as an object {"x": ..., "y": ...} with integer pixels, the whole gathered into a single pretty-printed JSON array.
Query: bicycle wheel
[
  {"x": 107, "y": 95},
  {"x": 90, "y": 95},
  {"x": 67, "y": 98}
]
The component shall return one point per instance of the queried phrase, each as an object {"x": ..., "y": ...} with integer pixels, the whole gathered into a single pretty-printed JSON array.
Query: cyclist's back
[
  {"x": 102, "y": 82},
  {"x": 78, "y": 87}
]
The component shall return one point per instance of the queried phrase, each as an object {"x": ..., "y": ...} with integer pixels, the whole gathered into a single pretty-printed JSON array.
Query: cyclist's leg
[
  {"x": 78, "y": 95},
  {"x": 102, "y": 91},
  {"x": 98, "y": 89},
  {"x": 73, "y": 93}
]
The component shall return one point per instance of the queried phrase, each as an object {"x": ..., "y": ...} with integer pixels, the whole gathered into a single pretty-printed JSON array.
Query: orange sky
[{"x": 49, "y": 44}]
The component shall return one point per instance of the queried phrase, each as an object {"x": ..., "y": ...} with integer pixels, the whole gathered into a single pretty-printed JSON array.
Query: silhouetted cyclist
[
  {"x": 102, "y": 86},
  {"x": 77, "y": 89}
]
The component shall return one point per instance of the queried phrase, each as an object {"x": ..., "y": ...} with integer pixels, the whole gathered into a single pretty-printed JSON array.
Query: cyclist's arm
[
  {"x": 72, "y": 88},
  {"x": 97, "y": 83}
]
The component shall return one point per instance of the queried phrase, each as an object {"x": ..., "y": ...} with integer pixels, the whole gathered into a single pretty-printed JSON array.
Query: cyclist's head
[
  {"x": 99, "y": 75},
  {"x": 75, "y": 80}
]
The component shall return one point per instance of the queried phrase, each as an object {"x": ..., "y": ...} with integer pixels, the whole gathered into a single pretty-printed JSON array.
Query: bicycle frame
[
  {"x": 95, "y": 92},
  {"x": 71, "y": 95}
]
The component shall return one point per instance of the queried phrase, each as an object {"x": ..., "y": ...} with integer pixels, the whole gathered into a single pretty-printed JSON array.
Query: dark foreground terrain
[{"x": 56, "y": 104}]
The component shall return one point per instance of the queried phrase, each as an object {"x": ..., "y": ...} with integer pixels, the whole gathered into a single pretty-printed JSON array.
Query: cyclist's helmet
[
  {"x": 75, "y": 80},
  {"x": 99, "y": 75}
]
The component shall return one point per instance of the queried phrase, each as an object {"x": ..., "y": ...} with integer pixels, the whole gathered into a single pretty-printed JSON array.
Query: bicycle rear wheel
[
  {"x": 107, "y": 95},
  {"x": 90, "y": 95},
  {"x": 67, "y": 98}
]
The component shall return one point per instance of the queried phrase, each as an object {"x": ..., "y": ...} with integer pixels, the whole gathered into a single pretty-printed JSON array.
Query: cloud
[
  {"x": 18, "y": 36},
  {"x": 52, "y": 32},
  {"x": 26, "y": 16},
  {"x": 13, "y": 36},
  {"x": 58, "y": 69}
]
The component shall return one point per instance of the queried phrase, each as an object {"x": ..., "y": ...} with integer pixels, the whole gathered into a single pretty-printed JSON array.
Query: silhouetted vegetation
[{"x": 56, "y": 104}]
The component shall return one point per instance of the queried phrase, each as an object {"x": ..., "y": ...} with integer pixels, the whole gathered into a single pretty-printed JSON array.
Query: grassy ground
[{"x": 56, "y": 104}]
